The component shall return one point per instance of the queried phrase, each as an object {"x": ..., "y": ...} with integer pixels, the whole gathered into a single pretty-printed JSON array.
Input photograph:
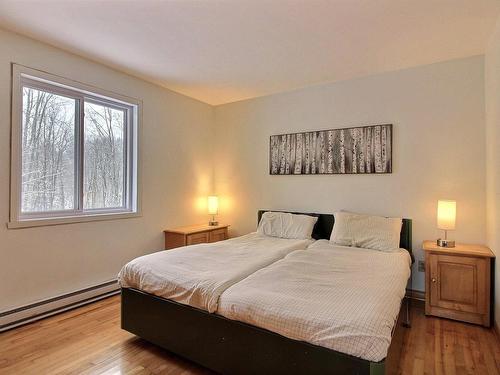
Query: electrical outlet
[{"x": 421, "y": 266}]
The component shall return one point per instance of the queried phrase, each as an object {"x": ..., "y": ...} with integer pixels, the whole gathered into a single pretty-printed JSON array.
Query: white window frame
[{"x": 27, "y": 77}]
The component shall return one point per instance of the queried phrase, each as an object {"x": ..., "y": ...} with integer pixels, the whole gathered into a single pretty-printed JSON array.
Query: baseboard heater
[
  {"x": 41, "y": 309},
  {"x": 29, "y": 313},
  {"x": 415, "y": 294}
]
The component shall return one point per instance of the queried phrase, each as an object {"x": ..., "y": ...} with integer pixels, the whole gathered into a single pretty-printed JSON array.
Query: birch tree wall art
[{"x": 360, "y": 150}]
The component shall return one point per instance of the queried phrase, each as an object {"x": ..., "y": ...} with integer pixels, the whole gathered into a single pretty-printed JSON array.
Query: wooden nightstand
[
  {"x": 458, "y": 281},
  {"x": 194, "y": 234}
]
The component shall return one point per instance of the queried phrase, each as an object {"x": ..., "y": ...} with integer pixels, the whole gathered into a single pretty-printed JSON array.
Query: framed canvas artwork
[{"x": 359, "y": 150}]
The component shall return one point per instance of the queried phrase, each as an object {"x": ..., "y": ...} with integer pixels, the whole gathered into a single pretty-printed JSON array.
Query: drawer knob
[{"x": 433, "y": 279}]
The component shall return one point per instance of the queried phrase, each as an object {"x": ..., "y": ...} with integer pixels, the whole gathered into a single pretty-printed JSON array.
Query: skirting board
[
  {"x": 415, "y": 294},
  {"x": 41, "y": 309}
]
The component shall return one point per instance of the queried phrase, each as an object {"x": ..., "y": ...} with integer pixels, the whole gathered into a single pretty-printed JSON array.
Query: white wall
[
  {"x": 439, "y": 150},
  {"x": 42, "y": 262},
  {"x": 492, "y": 86}
]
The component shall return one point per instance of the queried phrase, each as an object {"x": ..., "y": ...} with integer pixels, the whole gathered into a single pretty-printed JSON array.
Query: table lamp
[
  {"x": 446, "y": 216},
  {"x": 213, "y": 209}
]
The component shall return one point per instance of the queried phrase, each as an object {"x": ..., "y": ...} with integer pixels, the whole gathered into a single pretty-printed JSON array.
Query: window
[{"x": 74, "y": 151}]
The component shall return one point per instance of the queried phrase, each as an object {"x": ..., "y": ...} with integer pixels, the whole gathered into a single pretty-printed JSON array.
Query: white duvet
[
  {"x": 197, "y": 275},
  {"x": 342, "y": 298}
]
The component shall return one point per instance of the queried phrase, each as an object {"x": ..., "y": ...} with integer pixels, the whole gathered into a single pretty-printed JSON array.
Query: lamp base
[
  {"x": 445, "y": 243},
  {"x": 213, "y": 223}
]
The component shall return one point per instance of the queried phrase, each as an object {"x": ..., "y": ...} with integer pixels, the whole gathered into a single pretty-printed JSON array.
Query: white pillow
[
  {"x": 286, "y": 225},
  {"x": 371, "y": 232}
]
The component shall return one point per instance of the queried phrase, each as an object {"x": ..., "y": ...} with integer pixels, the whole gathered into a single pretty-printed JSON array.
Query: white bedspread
[
  {"x": 197, "y": 275},
  {"x": 342, "y": 298}
]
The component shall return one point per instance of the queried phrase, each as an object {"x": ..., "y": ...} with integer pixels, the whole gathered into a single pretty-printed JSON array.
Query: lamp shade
[
  {"x": 446, "y": 214},
  {"x": 213, "y": 205}
]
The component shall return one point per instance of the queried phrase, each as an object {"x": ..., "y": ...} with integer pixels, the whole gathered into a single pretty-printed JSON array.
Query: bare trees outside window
[
  {"x": 104, "y": 163},
  {"x": 74, "y": 151},
  {"x": 48, "y": 149}
]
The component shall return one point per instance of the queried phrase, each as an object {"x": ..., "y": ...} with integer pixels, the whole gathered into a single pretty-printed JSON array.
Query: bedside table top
[
  {"x": 190, "y": 229},
  {"x": 459, "y": 249}
]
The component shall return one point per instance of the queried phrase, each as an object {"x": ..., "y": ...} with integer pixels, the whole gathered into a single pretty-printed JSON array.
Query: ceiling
[{"x": 227, "y": 50}]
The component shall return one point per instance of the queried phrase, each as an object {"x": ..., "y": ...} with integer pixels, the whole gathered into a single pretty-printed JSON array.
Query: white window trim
[{"x": 20, "y": 73}]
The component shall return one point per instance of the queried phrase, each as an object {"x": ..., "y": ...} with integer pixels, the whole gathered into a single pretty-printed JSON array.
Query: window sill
[{"x": 29, "y": 223}]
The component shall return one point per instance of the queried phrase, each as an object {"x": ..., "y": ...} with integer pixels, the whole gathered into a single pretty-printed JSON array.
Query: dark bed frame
[{"x": 231, "y": 347}]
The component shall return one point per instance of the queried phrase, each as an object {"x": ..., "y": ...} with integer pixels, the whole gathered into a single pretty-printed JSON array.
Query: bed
[
  {"x": 197, "y": 275},
  {"x": 234, "y": 347},
  {"x": 342, "y": 298}
]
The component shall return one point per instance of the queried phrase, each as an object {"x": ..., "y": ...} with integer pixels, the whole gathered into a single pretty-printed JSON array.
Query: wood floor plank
[{"x": 89, "y": 341}]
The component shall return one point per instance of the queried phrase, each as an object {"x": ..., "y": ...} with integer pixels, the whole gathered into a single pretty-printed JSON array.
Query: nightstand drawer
[
  {"x": 218, "y": 235},
  {"x": 194, "y": 234},
  {"x": 193, "y": 239}
]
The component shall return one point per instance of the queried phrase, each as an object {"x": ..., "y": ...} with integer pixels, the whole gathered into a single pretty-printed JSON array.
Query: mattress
[
  {"x": 197, "y": 275},
  {"x": 342, "y": 298}
]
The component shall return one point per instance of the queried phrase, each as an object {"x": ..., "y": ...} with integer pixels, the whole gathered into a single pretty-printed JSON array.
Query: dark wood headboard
[{"x": 323, "y": 228}]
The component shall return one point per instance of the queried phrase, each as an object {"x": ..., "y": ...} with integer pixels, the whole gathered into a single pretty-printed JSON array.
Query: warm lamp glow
[
  {"x": 446, "y": 214},
  {"x": 213, "y": 205}
]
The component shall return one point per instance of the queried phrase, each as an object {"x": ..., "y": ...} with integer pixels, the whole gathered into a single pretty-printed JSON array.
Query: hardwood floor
[
  {"x": 442, "y": 346},
  {"x": 88, "y": 340}
]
